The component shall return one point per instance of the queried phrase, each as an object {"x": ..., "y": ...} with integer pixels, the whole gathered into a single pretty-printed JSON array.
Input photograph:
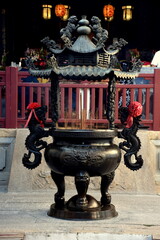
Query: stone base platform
[
  {"x": 24, "y": 215},
  {"x": 15, "y": 177},
  {"x": 26, "y": 197}
]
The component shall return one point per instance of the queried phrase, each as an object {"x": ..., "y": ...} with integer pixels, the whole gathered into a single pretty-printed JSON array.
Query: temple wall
[{"x": 15, "y": 177}]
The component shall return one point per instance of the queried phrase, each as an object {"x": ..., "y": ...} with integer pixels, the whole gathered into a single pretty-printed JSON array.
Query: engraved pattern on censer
[{"x": 86, "y": 157}]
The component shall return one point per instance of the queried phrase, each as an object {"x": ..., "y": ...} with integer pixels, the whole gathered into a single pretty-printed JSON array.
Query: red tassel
[
  {"x": 135, "y": 110},
  {"x": 31, "y": 107}
]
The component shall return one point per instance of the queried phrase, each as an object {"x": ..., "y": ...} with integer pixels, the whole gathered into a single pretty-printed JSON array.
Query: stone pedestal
[{"x": 144, "y": 181}]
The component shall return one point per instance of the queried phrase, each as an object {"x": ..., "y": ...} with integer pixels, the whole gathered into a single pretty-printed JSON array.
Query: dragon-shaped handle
[
  {"x": 34, "y": 143},
  {"x": 132, "y": 144}
]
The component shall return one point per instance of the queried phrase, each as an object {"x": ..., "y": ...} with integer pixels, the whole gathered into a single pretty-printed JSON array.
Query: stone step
[
  {"x": 85, "y": 236},
  {"x": 73, "y": 236},
  {"x": 11, "y": 236}
]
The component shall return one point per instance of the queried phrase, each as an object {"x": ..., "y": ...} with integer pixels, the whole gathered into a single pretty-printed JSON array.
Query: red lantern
[
  {"x": 108, "y": 12},
  {"x": 60, "y": 10}
]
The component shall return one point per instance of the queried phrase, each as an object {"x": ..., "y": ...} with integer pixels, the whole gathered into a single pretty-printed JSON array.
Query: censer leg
[
  {"x": 106, "y": 180},
  {"x": 60, "y": 183},
  {"x": 82, "y": 205},
  {"x": 82, "y": 180}
]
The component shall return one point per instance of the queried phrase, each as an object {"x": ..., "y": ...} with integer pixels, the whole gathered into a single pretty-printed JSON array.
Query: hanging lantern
[
  {"x": 60, "y": 10},
  {"x": 66, "y": 16},
  {"x": 46, "y": 11},
  {"x": 108, "y": 12},
  {"x": 127, "y": 13}
]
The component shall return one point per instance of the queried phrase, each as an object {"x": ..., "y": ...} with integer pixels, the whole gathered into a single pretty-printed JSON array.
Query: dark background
[{"x": 25, "y": 27}]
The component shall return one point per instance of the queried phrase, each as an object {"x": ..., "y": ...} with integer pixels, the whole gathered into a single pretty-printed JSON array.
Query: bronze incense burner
[{"x": 82, "y": 153}]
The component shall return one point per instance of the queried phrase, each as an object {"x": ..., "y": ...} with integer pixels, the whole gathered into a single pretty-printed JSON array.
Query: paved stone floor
[{"x": 26, "y": 213}]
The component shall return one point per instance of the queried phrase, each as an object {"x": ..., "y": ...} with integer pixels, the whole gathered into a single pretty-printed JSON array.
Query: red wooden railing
[{"x": 81, "y": 104}]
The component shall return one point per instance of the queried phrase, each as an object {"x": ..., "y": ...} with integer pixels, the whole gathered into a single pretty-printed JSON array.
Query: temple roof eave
[
  {"x": 82, "y": 72},
  {"x": 82, "y": 45}
]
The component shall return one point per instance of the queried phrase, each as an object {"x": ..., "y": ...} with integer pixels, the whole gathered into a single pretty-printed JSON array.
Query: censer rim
[{"x": 85, "y": 133}]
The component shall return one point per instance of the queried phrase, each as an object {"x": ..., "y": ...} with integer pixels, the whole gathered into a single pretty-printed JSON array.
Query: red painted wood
[
  {"x": 85, "y": 99},
  {"x": 147, "y": 104},
  {"x": 14, "y": 97},
  {"x": 124, "y": 97},
  {"x": 93, "y": 103},
  {"x": 69, "y": 102},
  {"x": 116, "y": 103},
  {"x": 23, "y": 106},
  {"x": 11, "y": 79},
  {"x": 100, "y": 103},
  {"x": 156, "y": 100},
  {"x": 8, "y": 89},
  {"x": 77, "y": 103},
  {"x": 62, "y": 103},
  {"x": 0, "y": 101},
  {"x": 148, "y": 76},
  {"x": 39, "y": 94},
  {"x": 132, "y": 94},
  {"x": 11, "y": 97},
  {"x": 2, "y": 98}
]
